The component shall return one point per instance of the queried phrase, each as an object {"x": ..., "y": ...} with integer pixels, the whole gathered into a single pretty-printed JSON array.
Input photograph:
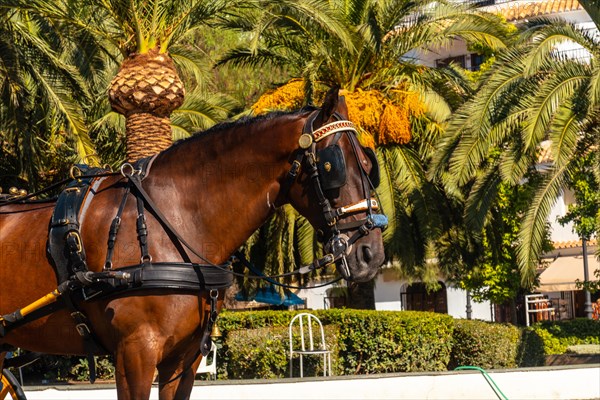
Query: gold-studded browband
[
  {"x": 332, "y": 128},
  {"x": 324, "y": 131}
]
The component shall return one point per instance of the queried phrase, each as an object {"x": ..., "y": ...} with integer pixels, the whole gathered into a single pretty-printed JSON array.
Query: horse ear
[{"x": 328, "y": 108}]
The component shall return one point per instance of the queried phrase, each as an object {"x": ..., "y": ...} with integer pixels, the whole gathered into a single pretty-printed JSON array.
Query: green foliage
[
  {"x": 484, "y": 344},
  {"x": 591, "y": 286},
  {"x": 104, "y": 369},
  {"x": 382, "y": 341},
  {"x": 584, "y": 211},
  {"x": 65, "y": 368},
  {"x": 496, "y": 276},
  {"x": 528, "y": 96},
  {"x": 547, "y": 338},
  {"x": 368, "y": 341},
  {"x": 263, "y": 353},
  {"x": 531, "y": 349},
  {"x": 256, "y": 353},
  {"x": 557, "y": 336}
]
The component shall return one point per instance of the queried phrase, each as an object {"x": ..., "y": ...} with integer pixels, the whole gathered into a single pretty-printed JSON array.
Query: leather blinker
[{"x": 332, "y": 167}]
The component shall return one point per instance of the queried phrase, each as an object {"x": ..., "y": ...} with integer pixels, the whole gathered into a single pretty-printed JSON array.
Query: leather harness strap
[{"x": 77, "y": 283}]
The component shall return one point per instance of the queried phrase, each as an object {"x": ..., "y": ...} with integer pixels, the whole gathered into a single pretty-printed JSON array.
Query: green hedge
[
  {"x": 484, "y": 344},
  {"x": 389, "y": 341},
  {"x": 264, "y": 353},
  {"x": 557, "y": 336},
  {"x": 368, "y": 341},
  {"x": 255, "y": 344}
]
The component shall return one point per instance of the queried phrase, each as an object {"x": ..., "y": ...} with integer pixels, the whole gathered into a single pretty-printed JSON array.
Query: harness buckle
[
  {"x": 75, "y": 172},
  {"x": 82, "y": 328},
  {"x": 294, "y": 169},
  {"x": 75, "y": 242},
  {"x": 127, "y": 170}
]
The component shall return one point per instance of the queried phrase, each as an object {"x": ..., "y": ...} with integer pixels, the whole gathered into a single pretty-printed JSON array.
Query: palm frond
[
  {"x": 200, "y": 111},
  {"x": 480, "y": 199},
  {"x": 386, "y": 192},
  {"x": 533, "y": 228}
]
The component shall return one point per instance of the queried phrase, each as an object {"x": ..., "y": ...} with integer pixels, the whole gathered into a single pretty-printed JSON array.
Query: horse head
[{"x": 334, "y": 177}]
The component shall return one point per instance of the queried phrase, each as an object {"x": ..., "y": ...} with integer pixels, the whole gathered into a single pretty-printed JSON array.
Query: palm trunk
[{"x": 146, "y": 91}]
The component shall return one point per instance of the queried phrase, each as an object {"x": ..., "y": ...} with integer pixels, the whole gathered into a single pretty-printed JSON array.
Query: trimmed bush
[
  {"x": 531, "y": 349},
  {"x": 484, "y": 344},
  {"x": 263, "y": 353},
  {"x": 557, "y": 336},
  {"x": 368, "y": 341},
  {"x": 390, "y": 341}
]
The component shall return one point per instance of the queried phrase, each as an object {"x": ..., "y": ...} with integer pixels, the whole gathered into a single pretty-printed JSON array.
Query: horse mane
[{"x": 241, "y": 122}]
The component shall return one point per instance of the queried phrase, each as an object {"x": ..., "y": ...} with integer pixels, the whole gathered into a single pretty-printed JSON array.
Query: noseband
[{"x": 327, "y": 170}]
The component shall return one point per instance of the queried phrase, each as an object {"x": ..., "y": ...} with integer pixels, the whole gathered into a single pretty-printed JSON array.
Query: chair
[
  {"x": 204, "y": 367},
  {"x": 301, "y": 326}
]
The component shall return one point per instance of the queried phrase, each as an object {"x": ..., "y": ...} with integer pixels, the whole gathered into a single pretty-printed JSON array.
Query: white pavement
[{"x": 565, "y": 382}]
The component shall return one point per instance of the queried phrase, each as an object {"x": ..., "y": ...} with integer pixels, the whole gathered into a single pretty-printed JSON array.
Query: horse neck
[{"x": 223, "y": 185}]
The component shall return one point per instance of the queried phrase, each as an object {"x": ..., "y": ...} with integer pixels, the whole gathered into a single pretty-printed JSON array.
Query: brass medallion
[{"x": 305, "y": 140}]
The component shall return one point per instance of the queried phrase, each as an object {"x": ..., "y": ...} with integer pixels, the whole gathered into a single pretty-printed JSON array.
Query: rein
[
  {"x": 135, "y": 177},
  {"x": 22, "y": 199},
  {"x": 339, "y": 244}
]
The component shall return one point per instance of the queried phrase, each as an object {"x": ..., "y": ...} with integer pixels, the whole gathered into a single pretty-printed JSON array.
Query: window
[
  {"x": 476, "y": 61},
  {"x": 336, "y": 297},
  {"x": 416, "y": 298},
  {"x": 444, "y": 62}
]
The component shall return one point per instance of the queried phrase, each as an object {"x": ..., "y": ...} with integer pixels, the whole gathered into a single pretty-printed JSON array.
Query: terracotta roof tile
[
  {"x": 569, "y": 244},
  {"x": 519, "y": 10}
]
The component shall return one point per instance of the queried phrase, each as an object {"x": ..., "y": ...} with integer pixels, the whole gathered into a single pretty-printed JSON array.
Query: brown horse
[{"x": 215, "y": 189}]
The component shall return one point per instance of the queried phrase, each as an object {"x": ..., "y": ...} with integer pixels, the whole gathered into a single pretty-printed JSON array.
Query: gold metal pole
[{"x": 41, "y": 302}]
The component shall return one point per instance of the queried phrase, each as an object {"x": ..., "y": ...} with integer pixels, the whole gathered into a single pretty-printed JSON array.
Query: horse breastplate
[{"x": 67, "y": 251}]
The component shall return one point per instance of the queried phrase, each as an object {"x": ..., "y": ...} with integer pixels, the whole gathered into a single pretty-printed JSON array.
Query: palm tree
[
  {"x": 42, "y": 104},
  {"x": 531, "y": 94},
  {"x": 146, "y": 40},
  {"x": 386, "y": 90}
]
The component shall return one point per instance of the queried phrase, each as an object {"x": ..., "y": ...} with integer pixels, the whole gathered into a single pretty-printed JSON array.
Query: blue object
[
  {"x": 269, "y": 295},
  {"x": 379, "y": 220}
]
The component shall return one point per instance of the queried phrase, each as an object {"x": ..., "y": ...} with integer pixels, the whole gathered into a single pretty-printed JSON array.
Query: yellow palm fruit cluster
[
  {"x": 395, "y": 120},
  {"x": 287, "y": 97},
  {"x": 381, "y": 119},
  {"x": 365, "y": 109}
]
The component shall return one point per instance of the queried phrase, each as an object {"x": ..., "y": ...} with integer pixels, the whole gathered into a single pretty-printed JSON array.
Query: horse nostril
[{"x": 367, "y": 254}]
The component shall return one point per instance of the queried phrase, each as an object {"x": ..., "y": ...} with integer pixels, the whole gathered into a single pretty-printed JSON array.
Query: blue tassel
[{"x": 379, "y": 220}]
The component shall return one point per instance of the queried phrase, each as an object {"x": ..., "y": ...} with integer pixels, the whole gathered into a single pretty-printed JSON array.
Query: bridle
[{"x": 326, "y": 169}]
